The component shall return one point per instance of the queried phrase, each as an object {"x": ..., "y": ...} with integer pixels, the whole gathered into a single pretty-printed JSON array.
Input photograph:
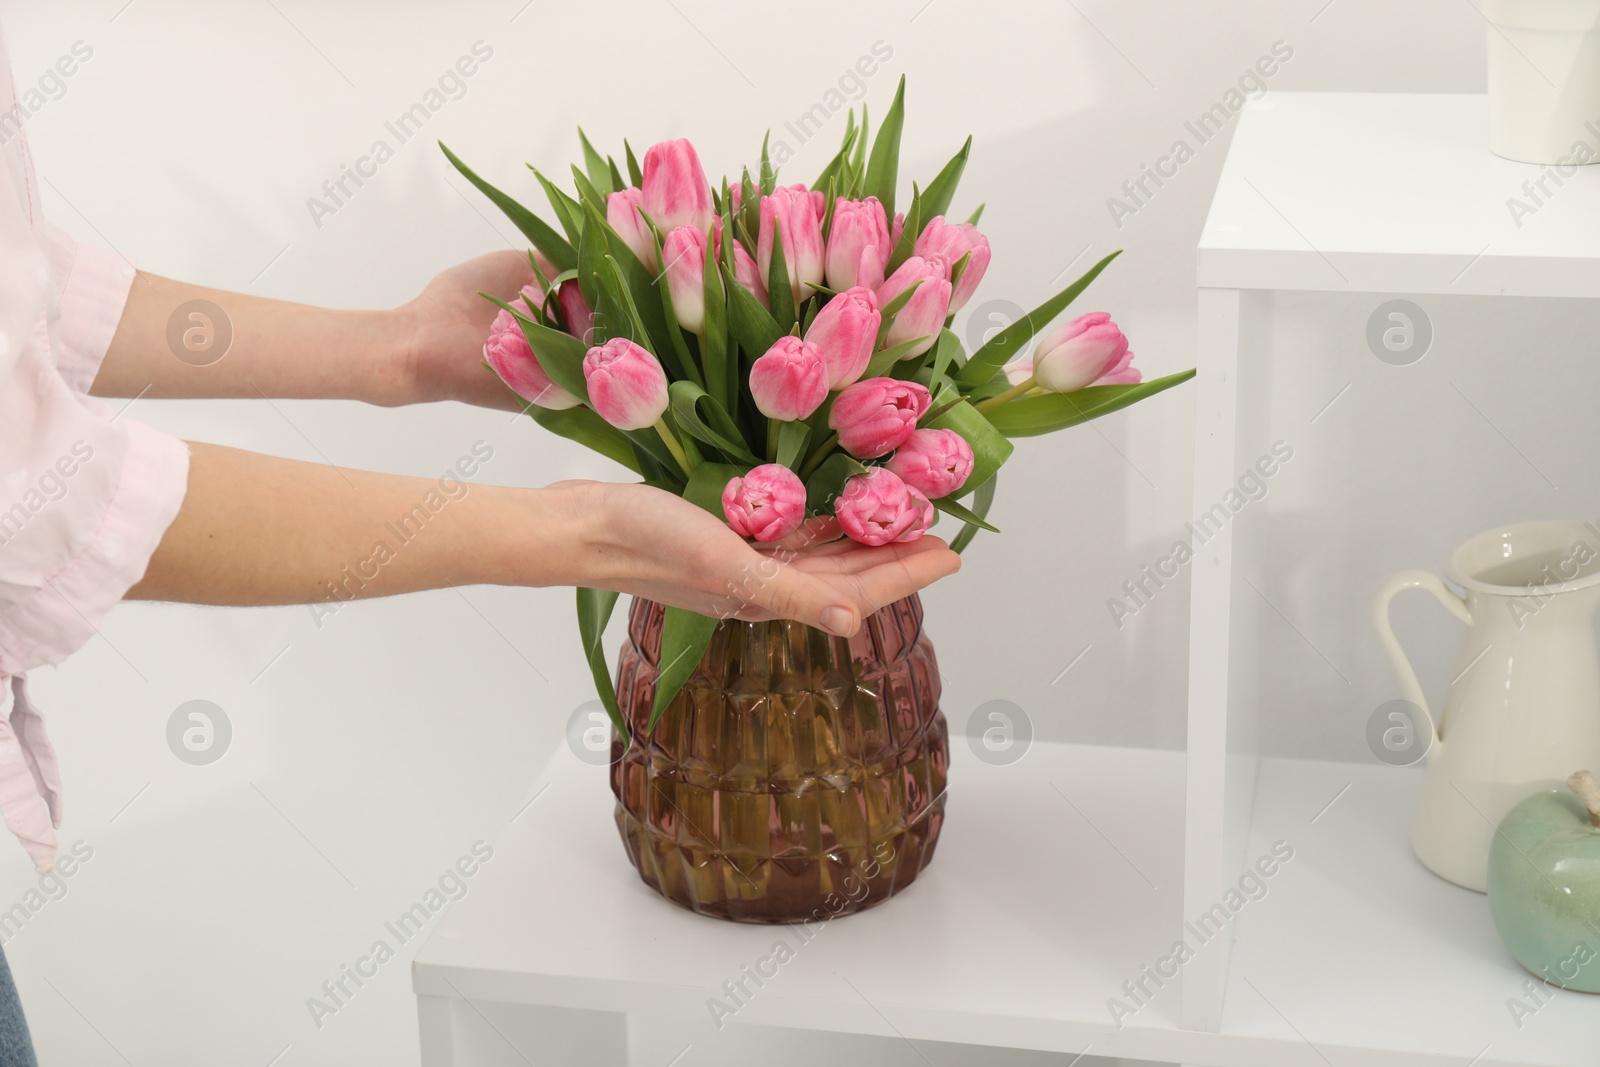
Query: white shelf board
[
  {"x": 1034, "y": 911},
  {"x": 1393, "y": 193},
  {"x": 1357, "y": 946}
]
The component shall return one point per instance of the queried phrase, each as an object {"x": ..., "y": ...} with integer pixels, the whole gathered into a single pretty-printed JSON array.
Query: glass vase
[{"x": 796, "y": 776}]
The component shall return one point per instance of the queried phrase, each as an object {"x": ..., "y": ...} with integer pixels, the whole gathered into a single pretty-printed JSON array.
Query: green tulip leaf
[
  {"x": 594, "y": 612},
  {"x": 971, "y": 518},
  {"x": 588, "y": 192},
  {"x": 569, "y": 212},
  {"x": 599, "y": 171},
  {"x": 778, "y": 291},
  {"x": 714, "y": 361},
  {"x": 937, "y": 196},
  {"x": 582, "y": 425},
  {"x": 910, "y": 230},
  {"x": 705, "y": 486},
  {"x": 685, "y": 636},
  {"x": 981, "y": 502},
  {"x": 635, "y": 175},
  {"x": 885, "y": 360},
  {"x": 750, "y": 324},
  {"x": 535, "y": 229},
  {"x": 1031, "y": 416},
  {"x": 883, "y": 168},
  {"x": 1009, "y": 341},
  {"x": 700, "y": 416},
  {"x": 827, "y": 482},
  {"x": 792, "y": 438}
]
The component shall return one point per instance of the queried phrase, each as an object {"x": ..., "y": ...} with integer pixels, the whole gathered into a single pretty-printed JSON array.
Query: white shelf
[
  {"x": 1392, "y": 192},
  {"x": 1035, "y": 910},
  {"x": 1359, "y": 947},
  {"x": 1358, "y": 956}
]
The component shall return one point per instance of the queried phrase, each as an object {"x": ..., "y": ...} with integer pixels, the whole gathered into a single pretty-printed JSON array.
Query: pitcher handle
[{"x": 1386, "y": 591}]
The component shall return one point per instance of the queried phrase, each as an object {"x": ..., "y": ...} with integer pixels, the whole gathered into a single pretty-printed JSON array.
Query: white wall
[{"x": 370, "y": 753}]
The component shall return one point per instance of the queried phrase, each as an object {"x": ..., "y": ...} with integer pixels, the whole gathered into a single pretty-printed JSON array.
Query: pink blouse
[{"x": 85, "y": 495}]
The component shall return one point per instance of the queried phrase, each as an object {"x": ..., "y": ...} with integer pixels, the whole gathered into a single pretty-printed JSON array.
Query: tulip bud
[
  {"x": 622, "y": 215},
  {"x": 874, "y": 417},
  {"x": 792, "y": 210},
  {"x": 858, "y": 244},
  {"x": 845, "y": 331},
  {"x": 952, "y": 242},
  {"x": 627, "y": 387},
  {"x": 877, "y": 508},
  {"x": 934, "y": 462},
  {"x": 1080, "y": 353},
  {"x": 747, "y": 274},
  {"x": 676, "y": 192},
  {"x": 683, "y": 256},
  {"x": 790, "y": 381},
  {"x": 508, "y": 352},
  {"x": 578, "y": 313},
  {"x": 767, "y": 504},
  {"x": 924, "y": 314}
]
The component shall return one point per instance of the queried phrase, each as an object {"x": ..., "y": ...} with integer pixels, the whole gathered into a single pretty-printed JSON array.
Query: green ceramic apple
[{"x": 1544, "y": 884}]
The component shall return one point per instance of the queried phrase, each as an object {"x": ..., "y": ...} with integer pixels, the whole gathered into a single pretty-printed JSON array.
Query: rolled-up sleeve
[
  {"x": 94, "y": 289},
  {"x": 85, "y": 495}
]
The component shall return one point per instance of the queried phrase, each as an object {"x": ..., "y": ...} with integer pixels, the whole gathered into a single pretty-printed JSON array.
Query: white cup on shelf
[{"x": 1544, "y": 80}]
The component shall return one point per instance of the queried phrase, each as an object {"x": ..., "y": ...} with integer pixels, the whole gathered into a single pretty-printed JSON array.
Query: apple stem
[{"x": 1583, "y": 783}]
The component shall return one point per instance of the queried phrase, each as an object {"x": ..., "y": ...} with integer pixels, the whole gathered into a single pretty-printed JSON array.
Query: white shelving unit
[
  {"x": 1069, "y": 873},
  {"x": 1361, "y": 948}
]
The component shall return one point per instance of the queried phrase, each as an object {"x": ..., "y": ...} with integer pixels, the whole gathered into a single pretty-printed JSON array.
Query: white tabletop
[
  {"x": 1395, "y": 192},
  {"x": 1055, "y": 880}
]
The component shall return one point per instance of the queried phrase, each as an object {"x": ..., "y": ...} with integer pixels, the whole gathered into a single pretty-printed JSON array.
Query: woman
[{"x": 95, "y": 507}]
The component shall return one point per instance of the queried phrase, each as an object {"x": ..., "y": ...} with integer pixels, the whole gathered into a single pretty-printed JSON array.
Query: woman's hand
[
  {"x": 445, "y": 326},
  {"x": 653, "y": 544}
]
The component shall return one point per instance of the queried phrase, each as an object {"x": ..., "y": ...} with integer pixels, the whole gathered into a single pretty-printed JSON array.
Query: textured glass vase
[{"x": 797, "y": 775}]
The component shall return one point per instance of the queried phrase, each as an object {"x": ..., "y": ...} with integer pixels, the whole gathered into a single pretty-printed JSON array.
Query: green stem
[
  {"x": 773, "y": 429},
  {"x": 675, "y": 448},
  {"x": 819, "y": 455},
  {"x": 1007, "y": 396}
]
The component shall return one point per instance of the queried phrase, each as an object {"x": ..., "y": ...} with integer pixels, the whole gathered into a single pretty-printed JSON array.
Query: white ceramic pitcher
[{"x": 1523, "y": 710}]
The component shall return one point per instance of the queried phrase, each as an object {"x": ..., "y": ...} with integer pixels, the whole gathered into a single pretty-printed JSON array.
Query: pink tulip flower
[
  {"x": 934, "y": 462},
  {"x": 845, "y": 331},
  {"x": 747, "y": 274},
  {"x": 578, "y": 313},
  {"x": 924, "y": 314},
  {"x": 878, "y": 507},
  {"x": 858, "y": 244},
  {"x": 790, "y": 381},
  {"x": 792, "y": 210},
  {"x": 767, "y": 504},
  {"x": 683, "y": 256},
  {"x": 627, "y": 387},
  {"x": 1123, "y": 372},
  {"x": 676, "y": 192},
  {"x": 508, "y": 352},
  {"x": 622, "y": 214},
  {"x": 1080, "y": 353},
  {"x": 874, "y": 417},
  {"x": 952, "y": 242}
]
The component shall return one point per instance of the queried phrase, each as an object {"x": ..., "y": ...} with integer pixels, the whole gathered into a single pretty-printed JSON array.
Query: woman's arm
[
  {"x": 255, "y": 529},
  {"x": 431, "y": 348}
]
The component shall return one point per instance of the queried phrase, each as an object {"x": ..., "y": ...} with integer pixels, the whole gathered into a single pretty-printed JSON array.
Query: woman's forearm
[
  {"x": 256, "y": 529},
  {"x": 180, "y": 340}
]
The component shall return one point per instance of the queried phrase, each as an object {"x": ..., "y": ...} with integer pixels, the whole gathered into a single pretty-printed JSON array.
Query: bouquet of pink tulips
[{"x": 776, "y": 352}]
